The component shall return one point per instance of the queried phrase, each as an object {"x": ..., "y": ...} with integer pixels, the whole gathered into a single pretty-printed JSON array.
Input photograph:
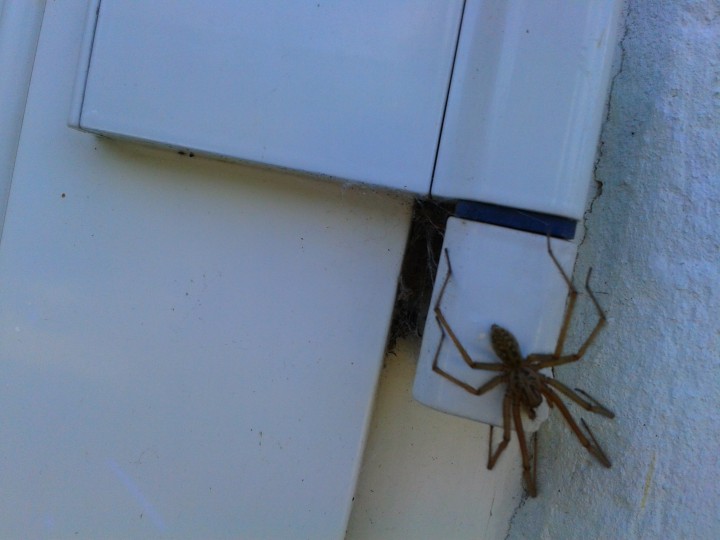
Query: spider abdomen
[{"x": 526, "y": 385}]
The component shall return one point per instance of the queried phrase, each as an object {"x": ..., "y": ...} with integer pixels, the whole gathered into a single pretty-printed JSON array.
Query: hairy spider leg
[
  {"x": 594, "y": 448},
  {"x": 572, "y": 297},
  {"x": 597, "y": 444},
  {"x": 445, "y": 326},
  {"x": 493, "y": 456},
  {"x": 587, "y": 402},
  {"x": 535, "y": 456},
  {"x": 528, "y": 475},
  {"x": 492, "y": 383},
  {"x": 558, "y": 359}
]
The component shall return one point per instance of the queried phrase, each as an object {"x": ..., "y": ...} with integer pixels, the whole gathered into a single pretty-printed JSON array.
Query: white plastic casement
[
  {"x": 363, "y": 92},
  {"x": 19, "y": 29},
  {"x": 526, "y": 102},
  {"x": 350, "y": 90}
]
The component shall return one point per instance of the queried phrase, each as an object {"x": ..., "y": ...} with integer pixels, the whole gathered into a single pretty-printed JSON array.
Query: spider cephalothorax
[
  {"x": 525, "y": 385},
  {"x": 522, "y": 381}
]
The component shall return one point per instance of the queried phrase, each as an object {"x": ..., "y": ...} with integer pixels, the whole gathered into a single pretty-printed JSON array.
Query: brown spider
[{"x": 525, "y": 385}]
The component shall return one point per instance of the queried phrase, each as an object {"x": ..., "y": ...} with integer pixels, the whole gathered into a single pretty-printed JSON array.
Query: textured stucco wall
[{"x": 653, "y": 239}]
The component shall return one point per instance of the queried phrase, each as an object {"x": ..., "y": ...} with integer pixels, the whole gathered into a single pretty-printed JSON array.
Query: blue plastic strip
[{"x": 523, "y": 220}]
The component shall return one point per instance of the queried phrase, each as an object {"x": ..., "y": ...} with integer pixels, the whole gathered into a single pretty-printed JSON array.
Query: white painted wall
[{"x": 653, "y": 239}]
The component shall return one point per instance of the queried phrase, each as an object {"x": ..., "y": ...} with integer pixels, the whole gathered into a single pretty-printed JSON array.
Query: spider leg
[
  {"x": 572, "y": 297},
  {"x": 445, "y": 281},
  {"x": 528, "y": 474},
  {"x": 445, "y": 327},
  {"x": 493, "y": 456},
  {"x": 592, "y": 447},
  {"x": 597, "y": 445},
  {"x": 602, "y": 320},
  {"x": 535, "y": 456},
  {"x": 586, "y": 402},
  {"x": 447, "y": 278},
  {"x": 558, "y": 358},
  {"x": 492, "y": 383}
]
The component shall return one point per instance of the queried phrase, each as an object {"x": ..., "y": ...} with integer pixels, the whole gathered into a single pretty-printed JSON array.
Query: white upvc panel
[
  {"x": 189, "y": 348},
  {"x": 527, "y": 96},
  {"x": 20, "y": 22},
  {"x": 353, "y": 90},
  {"x": 499, "y": 276}
]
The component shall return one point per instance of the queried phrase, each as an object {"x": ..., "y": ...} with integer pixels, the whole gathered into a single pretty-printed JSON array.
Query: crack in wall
[
  {"x": 599, "y": 184},
  {"x": 522, "y": 502}
]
